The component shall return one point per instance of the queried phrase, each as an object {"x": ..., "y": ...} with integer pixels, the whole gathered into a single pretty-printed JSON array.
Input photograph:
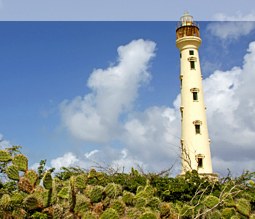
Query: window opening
[
  {"x": 192, "y": 64},
  {"x": 200, "y": 162},
  {"x": 195, "y": 96},
  {"x": 191, "y": 52},
  {"x": 197, "y": 129}
]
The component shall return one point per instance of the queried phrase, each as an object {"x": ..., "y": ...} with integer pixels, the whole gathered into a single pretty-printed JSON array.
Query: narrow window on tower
[
  {"x": 200, "y": 162},
  {"x": 192, "y": 64},
  {"x": 181, "y": 81},
  {"x": 180, "y": 55},
  {"x": 191, "y": 52},
  {"x": 197, "y": 129},
  {"x": 195, "y": 96},
  {"x": 181, "y": 110}
]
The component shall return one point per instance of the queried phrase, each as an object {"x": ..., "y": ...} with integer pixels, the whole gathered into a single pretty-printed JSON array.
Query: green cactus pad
[
  {"x": 141, "y": 202},
  {"x": 109, "y": 214},
  {"x": 96, "y": 194},
  {"x": 80, "y": 181},
  {"x": 215, "y": 215},
  {"x": 128, "y": 198},
  {"x": 5, "y": 156},
  {"x": 12, "y": 172},
  {"x": 154, "y": 203},
  {"x": 243, "y": 207},
  {"x": 5, "y": 201},
  {"x": 82, "y": 204},
  {"x": 88, "y": 215},
  {"x": 148, "y": 215},
  {"x": 47, "y": 180},
  {"x": 164, "y": 209},
  {"x": 119, "y": 206},
  {"x": 21, "y": 162},
  {"x": 31, "y": 202},
  {"x": 228, "y": 212},
  {"x": 133, "y": 213},
  {"x": 112, "y": 190},
  {"x": 64, "y": 193},
  {"x": 210, "y": 201},
  {"x": 17, "y": 198},
  {"x": 32, "y": 176}
]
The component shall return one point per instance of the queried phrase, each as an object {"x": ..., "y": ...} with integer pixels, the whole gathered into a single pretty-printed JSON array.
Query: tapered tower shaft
[{"x": 195, "y": 142}]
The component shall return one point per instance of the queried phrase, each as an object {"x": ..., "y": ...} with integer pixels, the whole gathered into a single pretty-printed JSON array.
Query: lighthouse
[{"x": 195, "y": 142}]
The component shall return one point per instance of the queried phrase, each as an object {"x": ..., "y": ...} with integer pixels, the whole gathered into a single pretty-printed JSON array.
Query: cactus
[
  {"x": 112, "y": 190},
  {"x": 133, "y": 213},
  {"x": 89, "y": 215},
  {"x": 31, "y": 202},
  {"x": 12, "y": 172},
  {"x": 5, "y": 156},
  {"x": 140, "y": 202},
  {"x": 252, "y": 216},
  {"x": 32, "y": 177},
  {"x": 96, "y": 194},
  {"x": 57, "y": 211},
  {"x": 119, "y": 206},
  {"x": 128, "y": 198},
  {"x": 39, "y": 215},
  {"x": 211, "y": 201},
  {"x": 92, "y": 173},
  {"x": 17, "y": 198},
  {"x": 154, "y": 203},
  {"x": 164, "y": 209},
  {"x": 82, "y": 204},
  {"x": 19, "y": 213},
  {"x": 80, "y": 181},
  {"x": 109, "y": 214},
  {"x": 243, "y": 207},
  {"x": 21, "y": 162},
  {"x": 148, "y": 215},
  {"x": 98, "y": 208},
  {"x": 25, "y": 185},
  {"x": 229, "y": 201},
  {"x": 228, "y": 212},
  {"x": 47, "y": 180},
  {"x": 5, "y": 201},
  {"x": 64, "y": 193}
]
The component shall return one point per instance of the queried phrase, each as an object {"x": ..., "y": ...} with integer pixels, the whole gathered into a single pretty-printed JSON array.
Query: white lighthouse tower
[{"x": 195, "y": 142}]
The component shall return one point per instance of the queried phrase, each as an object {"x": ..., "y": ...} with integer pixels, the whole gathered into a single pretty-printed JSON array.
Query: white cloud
[
  {"x": 232, "y": 27},
  {"x": 114, "y": 90},
  {"x": 67, "y": 160},
  {"x": 151, "y": 138},
  {"x": 3, "y": 142},
  {"x": 91, "y": 153},
  {"x": 230, "y": 99}
]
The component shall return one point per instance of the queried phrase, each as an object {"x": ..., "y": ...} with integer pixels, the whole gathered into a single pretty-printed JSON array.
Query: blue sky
[
  {"x": 149, "y": 10},
  {"x": 57, "y": 78}
]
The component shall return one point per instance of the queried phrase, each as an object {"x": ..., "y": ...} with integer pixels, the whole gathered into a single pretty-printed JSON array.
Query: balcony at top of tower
[{"x": 187, "y": 27}]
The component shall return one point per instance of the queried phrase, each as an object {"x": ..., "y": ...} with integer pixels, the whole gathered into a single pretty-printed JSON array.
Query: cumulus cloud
[
  {"x": 230, "y": 99},
  {"x": 3, "y": 142},
  {"x": 232, "y": 27},
  {"x": 151, "y": 138},
  {"x": 67, "y": 160},
  {"x": 95, "y": 117}
]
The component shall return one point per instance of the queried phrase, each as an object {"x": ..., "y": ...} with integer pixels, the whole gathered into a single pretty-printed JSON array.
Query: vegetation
[{"x": 76, "y": 193}]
